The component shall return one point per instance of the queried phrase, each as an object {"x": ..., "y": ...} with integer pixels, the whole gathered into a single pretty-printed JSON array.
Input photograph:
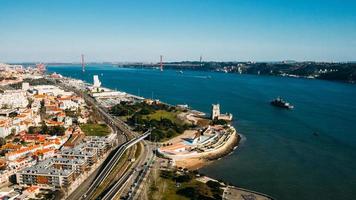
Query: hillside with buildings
[{"x": 43, "y": 148}]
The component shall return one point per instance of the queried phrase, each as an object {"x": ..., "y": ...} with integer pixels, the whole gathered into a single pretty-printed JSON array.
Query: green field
[
  {"x": 95, "y": 129},
  {"x": 162, "y": 114},
  {"x": 168, "y": 189},
  {"x": 163, "y": 119}
]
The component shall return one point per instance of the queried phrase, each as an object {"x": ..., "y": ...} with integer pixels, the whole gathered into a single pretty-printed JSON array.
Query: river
[{"x": 280, "y": 154}]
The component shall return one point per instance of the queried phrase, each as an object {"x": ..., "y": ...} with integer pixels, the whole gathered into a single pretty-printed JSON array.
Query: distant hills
[
  {"x": 320, "y": 70},
  {"x": 345, "y": 72}
]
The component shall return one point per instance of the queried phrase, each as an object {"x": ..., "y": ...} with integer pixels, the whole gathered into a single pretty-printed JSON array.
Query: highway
[
  {"x": 130, "y": 139},
  {"x": 111, "y": 164},
  {"x": 130, "y": 175}
]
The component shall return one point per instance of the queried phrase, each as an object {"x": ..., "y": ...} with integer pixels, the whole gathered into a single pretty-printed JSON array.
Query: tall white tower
[
  {"x": 97, "y": 82},
  {"x": 215, "y": 111}
]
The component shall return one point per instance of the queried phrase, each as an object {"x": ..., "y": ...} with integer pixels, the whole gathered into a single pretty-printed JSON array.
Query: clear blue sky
[{"x": 130, "y": 30}]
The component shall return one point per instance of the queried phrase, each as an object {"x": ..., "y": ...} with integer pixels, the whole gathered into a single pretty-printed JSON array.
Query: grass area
[
  {"x": 162, "y": 118},
  {"x": 167, "y": 188},
  {"x": 95, "y": 129},
  {"x": 170, "y": 190},
  {"x": 163, "y": 114}
]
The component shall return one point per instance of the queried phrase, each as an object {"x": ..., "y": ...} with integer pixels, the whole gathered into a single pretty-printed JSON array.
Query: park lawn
[
  {"x": 95, "y": 129},
  {"x": 168, "y": 189},
  {"x": 165, "y": 114}
]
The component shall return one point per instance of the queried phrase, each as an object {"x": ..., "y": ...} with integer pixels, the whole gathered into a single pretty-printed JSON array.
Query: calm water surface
[{"x": 279, "y": 154}]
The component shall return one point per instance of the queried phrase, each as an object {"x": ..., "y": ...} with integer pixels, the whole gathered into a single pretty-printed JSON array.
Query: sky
[{"x": 217, "y": 30}]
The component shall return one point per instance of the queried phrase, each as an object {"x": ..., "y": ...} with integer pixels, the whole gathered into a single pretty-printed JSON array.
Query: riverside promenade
[{"x": 235, "y": 193}]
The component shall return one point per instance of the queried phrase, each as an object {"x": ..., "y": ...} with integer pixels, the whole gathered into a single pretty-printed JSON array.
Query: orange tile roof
[
  {"x": 11, "y": 146},
  {"x": 21, "y": 116},
  {"x": 53, "y": 108},
  {"x": 32, "y": 189},
  {"x": 4, "y": 123},
  {"x": 40, "y": 96},
  {"x": 43, "y": 151},
  {"x": 25, "y": 122},
  {"x": 64, "y": 98},
  {"x": 54, "y": 122},
  {"x": 23, "y": 150},
  {"x": 61, "y": 114},
  {"x": 36, "y": 137}
]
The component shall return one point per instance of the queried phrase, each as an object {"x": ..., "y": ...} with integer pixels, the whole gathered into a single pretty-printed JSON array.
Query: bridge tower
[
  {"x": 161, "y": 63},
  {"x": 83, "y": 64}
]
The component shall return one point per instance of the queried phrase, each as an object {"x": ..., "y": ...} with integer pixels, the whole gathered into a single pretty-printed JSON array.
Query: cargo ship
[{"x": 279, "y": 102}]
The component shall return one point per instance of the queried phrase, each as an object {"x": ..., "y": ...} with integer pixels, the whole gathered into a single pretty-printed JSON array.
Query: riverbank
[
  {"x": 200, "y": 160},
  {"x": 222, "y": 141}
]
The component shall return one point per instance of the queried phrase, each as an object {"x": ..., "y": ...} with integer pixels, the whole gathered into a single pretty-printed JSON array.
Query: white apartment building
[
  {"x": 13, "y": 99},
  {"x": 50, "y": 90}
]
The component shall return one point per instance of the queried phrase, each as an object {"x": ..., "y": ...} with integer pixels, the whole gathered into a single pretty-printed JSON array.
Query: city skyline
[{"x": 141, "y": 31}]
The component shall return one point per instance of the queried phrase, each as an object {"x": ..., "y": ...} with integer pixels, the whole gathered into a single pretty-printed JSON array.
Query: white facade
[
  {"x": 4, "y": 131},
  {"x": 215, "y": 112},
  {"x": 13, "y": 99},
  {"x": 51, "y": 90},
  {"x": 97, "y": 82},
  {"x": 68, "y": 104},
  {"x": 25, "y": 86},
  {"x": 109, "y": 94}
]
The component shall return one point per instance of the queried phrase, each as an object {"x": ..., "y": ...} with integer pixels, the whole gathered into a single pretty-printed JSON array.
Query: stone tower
[{"x": 215, "y": 111}]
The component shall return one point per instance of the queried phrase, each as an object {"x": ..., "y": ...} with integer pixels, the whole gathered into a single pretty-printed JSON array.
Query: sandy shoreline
[{"x": 195, "y": 163}]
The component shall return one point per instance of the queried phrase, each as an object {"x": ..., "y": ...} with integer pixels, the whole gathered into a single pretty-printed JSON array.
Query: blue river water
[{"x": 279, "y": 155}]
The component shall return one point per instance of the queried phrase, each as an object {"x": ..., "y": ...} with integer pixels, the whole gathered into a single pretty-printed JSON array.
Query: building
[
  {"x": 215, "y": 113},
  {"x": 8, "y": 193},
  {"x": 80, "y": 151},
  {"x": 50, "y": 90},
  {"x": 13, "y": 99},
  {"x": 107, "y": 94},
  {"x": 97, "y": 82},
  {"x": 5, "y": 128},
  {"x": 25, "y": 86},
  {"x": 52, "y": 173}
]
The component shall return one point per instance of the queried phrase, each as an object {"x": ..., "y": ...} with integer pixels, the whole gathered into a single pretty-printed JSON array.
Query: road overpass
[
  {"x": 119, "y": 127},
  {"x": 111, "y": 164}
]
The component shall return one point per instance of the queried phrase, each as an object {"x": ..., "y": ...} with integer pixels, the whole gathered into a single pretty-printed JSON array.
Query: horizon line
[{"x": 147, "y": 62}]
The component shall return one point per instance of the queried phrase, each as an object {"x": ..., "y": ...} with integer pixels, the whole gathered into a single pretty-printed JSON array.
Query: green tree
[
  {"x": 189, "y": 192},
  {"x": 30, "y": 101},
  {"x": 183, "y": 178},
  {"x": 31, "y": 130},
  {"x": 57, "y": 130},
  {"x": 16, "y": 140},
  {"x": 44, "y": 128},
  {"x": 2, "y": 141}
]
